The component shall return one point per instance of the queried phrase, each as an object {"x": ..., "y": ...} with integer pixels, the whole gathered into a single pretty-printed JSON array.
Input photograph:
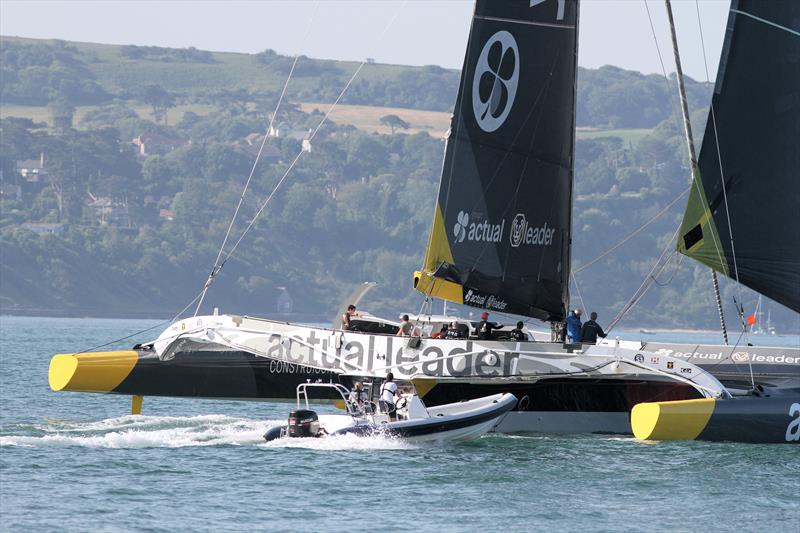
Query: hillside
[{"x": 91, "y": 224}]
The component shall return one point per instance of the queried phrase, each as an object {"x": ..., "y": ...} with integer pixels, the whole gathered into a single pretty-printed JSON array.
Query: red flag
[{"x": 751, "y": 320}]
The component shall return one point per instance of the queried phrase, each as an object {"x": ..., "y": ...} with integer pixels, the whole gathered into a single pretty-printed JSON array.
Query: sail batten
[
  {"x": 738, "y": 219},
  {"x": 501, "y": 231}
]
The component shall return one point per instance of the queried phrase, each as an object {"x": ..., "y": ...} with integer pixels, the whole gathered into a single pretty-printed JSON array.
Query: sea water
[{"x": 79, "y": 462}]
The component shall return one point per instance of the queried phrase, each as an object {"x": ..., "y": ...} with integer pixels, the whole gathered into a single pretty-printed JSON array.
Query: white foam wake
[
  {"x": 178, "y": 432},
  {"x": 146, "y": 432},
  {"x": 343, "y": 442}
]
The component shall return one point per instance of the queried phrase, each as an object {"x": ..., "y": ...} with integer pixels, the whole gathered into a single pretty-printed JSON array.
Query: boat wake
[
  {"x": 343, "y": 442},
  {"x": 178, "y": 432},
  {"x": 143, "y": 432}
]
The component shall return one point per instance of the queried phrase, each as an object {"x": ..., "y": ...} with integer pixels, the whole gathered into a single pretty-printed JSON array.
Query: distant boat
[{"x": 647, "y": 332}]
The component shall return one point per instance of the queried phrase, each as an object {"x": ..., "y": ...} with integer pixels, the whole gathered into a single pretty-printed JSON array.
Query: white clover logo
[
  {"x": 460, "y": 229},
  {"x": 741, "y": 357},
  {"x": 518, "y": 226},
  {"x": 494, "y": 84}
]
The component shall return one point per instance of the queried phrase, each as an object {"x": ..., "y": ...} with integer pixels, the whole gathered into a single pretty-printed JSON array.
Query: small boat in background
[{"x": 455, "y": 422}]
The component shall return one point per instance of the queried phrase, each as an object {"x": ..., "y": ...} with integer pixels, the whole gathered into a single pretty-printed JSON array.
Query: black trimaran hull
[{"x": 553, "y": 405}]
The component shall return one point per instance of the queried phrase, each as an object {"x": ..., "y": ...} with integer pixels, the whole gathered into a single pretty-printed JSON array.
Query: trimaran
[{"x": 500, "y": 241}]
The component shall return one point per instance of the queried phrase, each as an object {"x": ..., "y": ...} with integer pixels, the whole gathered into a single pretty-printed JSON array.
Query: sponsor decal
[
  {"x": 480, "y": 231},
  {"x": 460, "y": 229},
  {"x": 654, "y": 360},
  {"x": 494, "y": 84},
  {"x": 686, "y": 370},
  {"x": 639, "y": 358},
  {"x": 793, "y": 429},
  {"x": 472, "y": 297},
  {"x": 670, "y": 365},
  {"x": 741, "y": 357},
  {"x": 559, "y": 15},
  {"x": 313, "y": 353},
  {"x": 522, "y": 233},
  {"x": 736, "y": 357}
]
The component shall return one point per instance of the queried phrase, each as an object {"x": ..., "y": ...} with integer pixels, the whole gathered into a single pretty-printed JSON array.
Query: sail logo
[
  {"x": 476, "y": 232},
  {"x": 489, "y": 302},
  {"x": 793, "y": 429},
  {"x": 522, "y": 233},
  {"x": 494, "y": 84},
  {"x": 460, "y": 229}
]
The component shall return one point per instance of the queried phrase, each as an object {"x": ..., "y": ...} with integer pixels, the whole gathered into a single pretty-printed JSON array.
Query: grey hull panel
[{"x": 564, "y": 422}]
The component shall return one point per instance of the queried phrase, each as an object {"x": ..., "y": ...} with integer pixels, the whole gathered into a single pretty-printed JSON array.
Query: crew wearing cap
[{"x": 484, "y": 329}]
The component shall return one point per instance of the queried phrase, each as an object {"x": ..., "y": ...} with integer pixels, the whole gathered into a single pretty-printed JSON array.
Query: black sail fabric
[
  {"x": 501, "y": 232},
  {"x": 755, "y": 124}
]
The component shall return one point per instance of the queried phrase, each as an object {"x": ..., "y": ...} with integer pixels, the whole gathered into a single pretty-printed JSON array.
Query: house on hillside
[
  {"x": 32, "y": 170},
  {"x": 280, "y": 129},
  {"x": 156, "y": 144},
  {"x": 304, "y": 136},
  {"x": 109, "y": 211},
  {"x": 252, "y": 144},
  {"x": 44, "y": 228},
  {"x": 166, "y": 215}
]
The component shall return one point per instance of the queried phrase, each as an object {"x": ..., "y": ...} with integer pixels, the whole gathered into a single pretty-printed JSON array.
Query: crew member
[
  {"x": 452, "y": 331},
  {"x": 388, "y": 392},
  {"x": 484, "y": 329},
  {"x": 441, "y": 334},
  {"x": 405, "y": 327},
  {"x": 358, "y": 396},
  {"x": 517, "y": 334},
  {"x": 351, "y": 312},
  {"x": 574, "y": 326},
  {"x": 591, "y": 330}
]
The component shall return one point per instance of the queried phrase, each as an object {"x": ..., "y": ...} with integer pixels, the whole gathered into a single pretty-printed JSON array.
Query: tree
[
  {"x": 393, "y": 121},
  {"x": 62, "y": 112},
  {"x": 160, "y": 100}
]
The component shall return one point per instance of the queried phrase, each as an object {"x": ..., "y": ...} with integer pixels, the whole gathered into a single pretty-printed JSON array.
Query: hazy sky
[{"x": 421, "y": 32}]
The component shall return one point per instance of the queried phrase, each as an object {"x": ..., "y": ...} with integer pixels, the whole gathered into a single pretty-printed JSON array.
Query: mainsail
[
  {"x": 500, "y": 238},
  {"x": 752, "y": 144}
]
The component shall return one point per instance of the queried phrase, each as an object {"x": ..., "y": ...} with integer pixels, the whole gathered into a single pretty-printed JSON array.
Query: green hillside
[{"x": 108, "y": 228}]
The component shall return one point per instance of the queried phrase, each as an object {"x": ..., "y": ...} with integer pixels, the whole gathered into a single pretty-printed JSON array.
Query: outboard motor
[{"x": 303, "y": 423}]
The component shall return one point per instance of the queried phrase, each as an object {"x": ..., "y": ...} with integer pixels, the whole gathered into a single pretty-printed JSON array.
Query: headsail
[
  {"x": 755, "y": 124},
  {"x": 501, "y": 230}
]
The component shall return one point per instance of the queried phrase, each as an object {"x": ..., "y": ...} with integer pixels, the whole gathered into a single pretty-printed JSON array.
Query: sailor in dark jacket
[
  {"x": 484, "y": 329},
  {"x": 517, "y": 334},
  {"x": 591, "y": 330}
]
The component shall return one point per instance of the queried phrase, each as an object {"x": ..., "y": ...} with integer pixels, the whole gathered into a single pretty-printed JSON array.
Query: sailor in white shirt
[{"x": 388, "y": 392}]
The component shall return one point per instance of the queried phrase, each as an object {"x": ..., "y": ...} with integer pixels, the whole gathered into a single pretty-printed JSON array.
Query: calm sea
[{"x": 77, "y": 462}]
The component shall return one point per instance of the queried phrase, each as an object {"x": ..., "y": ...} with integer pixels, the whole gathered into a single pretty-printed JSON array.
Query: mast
[{"x": 690, "y": 142}]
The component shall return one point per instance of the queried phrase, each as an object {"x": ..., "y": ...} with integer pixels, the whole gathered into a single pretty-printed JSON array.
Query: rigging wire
[
  {"x": 216, "y": 268},
  {"x": 631, "y": 235},
  {"x": 271, "y": 195},
  {"x": 657, "y": 268},
  {"x": 687, "y": 126},
  {"x": 719, "y": 157},
  {"x": 578, "y": 289},
  {"x": 740, "y": 308},
  {"x": 159, "y": 324}
]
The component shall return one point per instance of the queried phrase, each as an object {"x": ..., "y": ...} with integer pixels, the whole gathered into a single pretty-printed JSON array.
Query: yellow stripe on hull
[
  {"x": 676, "y": 420},
  {"x": 91, "y": 372}
]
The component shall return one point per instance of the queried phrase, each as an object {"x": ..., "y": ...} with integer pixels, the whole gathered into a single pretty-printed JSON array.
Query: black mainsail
[
  {"x": 752, "y": 145},
  {"x": 500, "y": 238}
]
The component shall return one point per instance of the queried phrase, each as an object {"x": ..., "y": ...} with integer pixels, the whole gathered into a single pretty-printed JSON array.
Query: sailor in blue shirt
[{"x": 574, "y": 326}]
